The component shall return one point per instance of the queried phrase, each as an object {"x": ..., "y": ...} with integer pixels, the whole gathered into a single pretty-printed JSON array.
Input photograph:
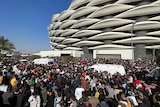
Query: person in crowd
[
  {"x": 157, "y": 103},
  {"x": 117, "y": 90},
  {"x": 1, "y": 100},
  {"x": 123, "y": 100},
  {"x": 73, "y": 101},
  {"x": 84, "y": 101},
  {"x": 141, "y": 102},
  {"x": 67, "y": 94},
  {"x": 146, "y": 99},
  {"x": 43, "y": 95},
  {"x": 1, "y": 78},
  {"x": 74, "y": 77},
  {"x": 102, "y": 97},
  {"x": 50, "y": 99},
  {"x": 92, "y": 83},
  {"x": 57, "y": 98},
  {"x": 29, "y": 91},
  {"x": 6, "y": 79},
  {"x": 78, "y": 92},
  {"x": 83, "y": 82},
  {"x": 13, "y": 81},
  {"x": 83, "y": 98},
  {"x": 20, "y": 97},
  {"x": 58, "y": 82},
  {"x": 7, "y": 97},
  {"x": 93, "y": 100},
  {"x": 110, "y": 90},
  {"x": 34, "y": 100},
  {"x": 88, "y": 88},
  {"x": 102, "y": 102}
]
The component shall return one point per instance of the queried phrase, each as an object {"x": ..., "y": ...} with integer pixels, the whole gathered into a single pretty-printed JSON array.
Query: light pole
[
  {"x": 154, "y": 51},
  {"x": 132, "y": 27}
]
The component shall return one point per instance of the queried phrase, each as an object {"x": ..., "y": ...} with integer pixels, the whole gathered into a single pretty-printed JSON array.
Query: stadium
[{"x": 124, "y": 29}]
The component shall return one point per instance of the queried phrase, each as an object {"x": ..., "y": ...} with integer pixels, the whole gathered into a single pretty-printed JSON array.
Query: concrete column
[
  {"x": 142, "y": 18},
  {"x": 139, "y": 50},
  {"x": 108, "y": 17},
  {"x": 84, "y": 38},
  {"x": 69, "y": 45},
  {"x": 86, "y": 51},
  {"x": 107, "y": 42},
  {"x": 140, "y": 33},
  {"x": 145, "y": 2},
  {"x": 108, "y": 29}
]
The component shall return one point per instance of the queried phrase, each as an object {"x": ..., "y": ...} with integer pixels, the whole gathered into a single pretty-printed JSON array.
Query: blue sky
[{"x": 24, "y": 22}]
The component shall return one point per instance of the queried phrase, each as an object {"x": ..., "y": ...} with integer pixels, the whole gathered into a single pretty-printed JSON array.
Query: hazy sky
[{"x": 24, "y": 22}]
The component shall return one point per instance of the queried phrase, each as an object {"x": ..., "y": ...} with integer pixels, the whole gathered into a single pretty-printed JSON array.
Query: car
[
  {"x": 155, "y": 73},
  {"x": 23, "y": 60}
]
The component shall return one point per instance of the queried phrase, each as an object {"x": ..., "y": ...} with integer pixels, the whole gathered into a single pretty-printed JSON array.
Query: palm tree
[{"x": 5, "y": 44}]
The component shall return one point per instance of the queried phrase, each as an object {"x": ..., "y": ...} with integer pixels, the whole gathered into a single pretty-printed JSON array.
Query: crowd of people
[{"x": 72, "y": 84}]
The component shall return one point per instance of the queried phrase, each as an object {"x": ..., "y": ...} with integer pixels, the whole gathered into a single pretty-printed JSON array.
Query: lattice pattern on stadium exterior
[{"x": 93, "y": 22}]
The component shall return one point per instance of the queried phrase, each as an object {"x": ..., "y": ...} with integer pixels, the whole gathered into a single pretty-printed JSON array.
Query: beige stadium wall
[
  {"x": 58, "y": 53},
  {"x": 125, "y": 54},
  {"x": 77, "y": 53}
]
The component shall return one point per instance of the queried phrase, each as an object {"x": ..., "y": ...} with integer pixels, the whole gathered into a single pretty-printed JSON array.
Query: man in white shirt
[
  {"x": 34, "y": 100},
  {"x": 78, "y": 92}
]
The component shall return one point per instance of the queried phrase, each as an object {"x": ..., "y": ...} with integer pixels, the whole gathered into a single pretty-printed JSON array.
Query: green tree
[
  {"x": 68, "y": 58},
  {"x": 5, "y": 44},
  {"x": 32, "y": 57}
]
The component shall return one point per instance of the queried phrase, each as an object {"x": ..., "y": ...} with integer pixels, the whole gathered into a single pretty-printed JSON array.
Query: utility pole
[{"x": 132, "y": 27}]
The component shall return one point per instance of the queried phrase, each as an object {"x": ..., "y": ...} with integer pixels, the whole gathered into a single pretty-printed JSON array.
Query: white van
[{"x": 110, "y": 68}]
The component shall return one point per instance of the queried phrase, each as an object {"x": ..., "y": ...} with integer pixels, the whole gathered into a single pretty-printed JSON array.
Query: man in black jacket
[
  {"x": 1, "y": 100},
  {"x": 50, "y": 100}
]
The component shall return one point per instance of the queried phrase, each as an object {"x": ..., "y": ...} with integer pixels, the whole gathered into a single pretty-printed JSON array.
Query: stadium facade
[{"x": 107, "y": 28}]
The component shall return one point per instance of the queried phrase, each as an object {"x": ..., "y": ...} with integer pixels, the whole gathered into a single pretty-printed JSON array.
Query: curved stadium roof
[{"x": 93, "y": 22}]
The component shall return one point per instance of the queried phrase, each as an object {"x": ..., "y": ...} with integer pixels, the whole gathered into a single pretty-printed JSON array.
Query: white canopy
[
  {"x": 110, "y": 68},
  {"x": 42, "y": 61}
]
